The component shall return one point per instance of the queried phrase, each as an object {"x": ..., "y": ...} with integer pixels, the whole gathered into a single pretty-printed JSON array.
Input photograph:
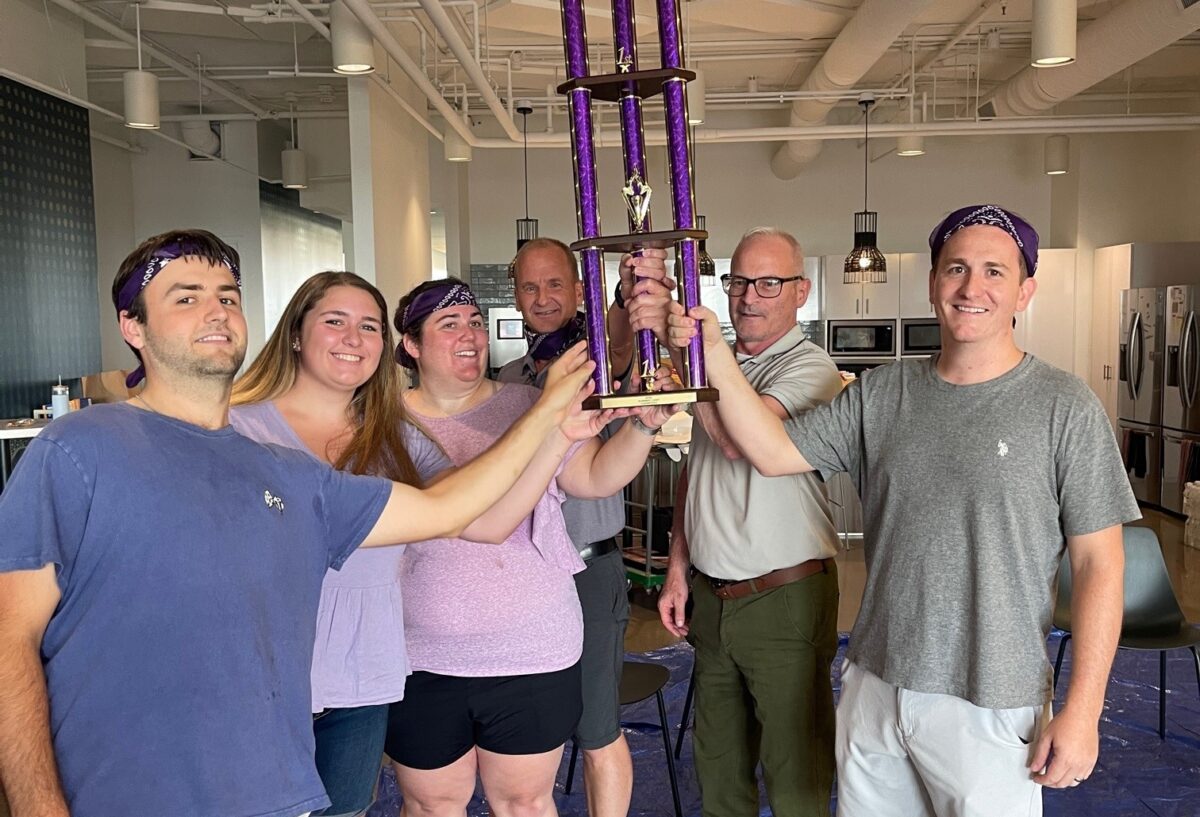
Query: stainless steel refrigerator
[
  {"x": 1140, "y": 375},
  {"x": 1181, "y": 390}
]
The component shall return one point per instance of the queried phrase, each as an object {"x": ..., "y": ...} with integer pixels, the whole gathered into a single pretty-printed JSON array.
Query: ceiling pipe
[
  {"x": 864, "y": 39},
  {"x": 323, "y": 30},
  {"x": 105, "y": 24},
  {"x": 1130, "y": 32},
  {"x": 462, "y": 52},
  {"x": 969, "y": 127},
  {"x": 362, "y": 10},
  {"x": 92, "y": 106},
  {"x": 955, "y": 38}
]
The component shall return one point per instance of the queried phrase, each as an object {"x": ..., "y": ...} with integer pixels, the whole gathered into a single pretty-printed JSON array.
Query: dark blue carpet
[{"x": 1138, "y": 775}]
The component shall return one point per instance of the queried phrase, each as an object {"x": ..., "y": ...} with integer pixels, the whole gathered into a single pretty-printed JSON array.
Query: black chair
[
  {"x": 1152, "y": 619},
  {"x": 638, "y": 682}
]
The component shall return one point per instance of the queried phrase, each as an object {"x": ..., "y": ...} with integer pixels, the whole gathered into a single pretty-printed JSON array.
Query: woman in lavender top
[
  {"x": 494, "y": 633},
  {"x": 325, "y": 384}
]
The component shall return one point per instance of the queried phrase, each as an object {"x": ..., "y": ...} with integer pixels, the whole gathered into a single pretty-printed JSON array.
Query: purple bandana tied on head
[
  {"x": 431, "y": 300},
  {"x": 142, "y": 277},
  {"x": 988, "y": 215},
  {"x": 549, "y": 345}
]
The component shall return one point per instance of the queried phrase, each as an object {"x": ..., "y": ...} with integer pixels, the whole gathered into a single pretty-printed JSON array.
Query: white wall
[
  {"x": 172, "y": 192},
  {"x": 736, "y": 190},
  {"x": 112, "y": 185},
  {"x": 44, "y": 46}
]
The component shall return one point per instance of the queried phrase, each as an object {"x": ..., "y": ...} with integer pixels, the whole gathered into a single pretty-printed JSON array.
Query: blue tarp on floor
[{"x": 1138, "y": 775}]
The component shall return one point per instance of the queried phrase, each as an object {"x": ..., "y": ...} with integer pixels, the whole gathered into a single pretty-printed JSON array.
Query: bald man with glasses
[{"x": 765, "y": 588}]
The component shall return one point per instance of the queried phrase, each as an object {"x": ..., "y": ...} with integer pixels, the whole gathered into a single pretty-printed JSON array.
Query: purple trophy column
[
  {"x": 680, "y": 160},
  {"x": 579, "y": 106},
  {"x": 633, "y": 141}
]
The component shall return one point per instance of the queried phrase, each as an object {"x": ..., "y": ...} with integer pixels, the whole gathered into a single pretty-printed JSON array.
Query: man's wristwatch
[
  {"x": 642, "y": 427},
  {"x": 618, "y": 298}
]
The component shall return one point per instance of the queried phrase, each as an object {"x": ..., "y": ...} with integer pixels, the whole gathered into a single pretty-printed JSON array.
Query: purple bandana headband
[
  {"x": 988, "y": 215},
  {"x": 142, "y": 277},
  {"x": 431, "y": 300}
]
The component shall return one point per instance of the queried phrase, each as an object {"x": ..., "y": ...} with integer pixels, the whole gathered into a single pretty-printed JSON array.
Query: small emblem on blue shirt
[
  {"x": 1001, "y": 449},
  {"x": 273, "y": 501}
]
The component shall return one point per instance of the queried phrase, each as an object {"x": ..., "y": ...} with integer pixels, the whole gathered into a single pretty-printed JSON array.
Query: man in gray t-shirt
[
  {"x": 548, "y": 292},
  {"x": 976, "y": 468}
]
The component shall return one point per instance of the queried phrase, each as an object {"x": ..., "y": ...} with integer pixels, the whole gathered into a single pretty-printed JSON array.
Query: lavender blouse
[{"x": 359, "y": 656}]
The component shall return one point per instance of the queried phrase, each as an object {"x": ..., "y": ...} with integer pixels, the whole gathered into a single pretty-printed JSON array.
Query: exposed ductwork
[
  {"x": 199, "y": 136},
  {"x": 1130, "y": 32},
  {"x": 871, "y": 31}
]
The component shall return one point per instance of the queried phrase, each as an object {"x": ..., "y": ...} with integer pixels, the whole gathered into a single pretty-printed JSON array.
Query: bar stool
[{"x": 638, "y": 682}]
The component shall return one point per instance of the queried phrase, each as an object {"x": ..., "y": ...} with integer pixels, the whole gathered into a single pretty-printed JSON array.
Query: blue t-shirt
[{"x": 190, "y": 564}]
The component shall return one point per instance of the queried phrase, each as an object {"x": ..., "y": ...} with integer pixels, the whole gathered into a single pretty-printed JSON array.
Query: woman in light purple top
[
  {"x": 325, "y": 384},
  {"x": 494, "y": 633}
]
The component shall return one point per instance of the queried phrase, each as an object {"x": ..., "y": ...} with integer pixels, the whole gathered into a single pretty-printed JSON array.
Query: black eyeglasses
[{"x": 767, "y": 287}]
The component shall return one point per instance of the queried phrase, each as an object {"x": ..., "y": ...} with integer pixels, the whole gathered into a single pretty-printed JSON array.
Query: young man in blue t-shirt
[{"x": 159, "y": 573}]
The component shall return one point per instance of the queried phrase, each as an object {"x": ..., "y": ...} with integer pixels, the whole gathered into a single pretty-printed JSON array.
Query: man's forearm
[
  {"x": 620, "y": 339},
  {"x": 1096, "y": 608},
  {"x": 28, "y": 772},
  {"x": 752, "y": 428},
  {"x": 708, "y": 416},
  {"x": 679, "y": 557}
]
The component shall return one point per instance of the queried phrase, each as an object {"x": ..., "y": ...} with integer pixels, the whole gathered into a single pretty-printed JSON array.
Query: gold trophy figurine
[{"x": 637, "y": 199}]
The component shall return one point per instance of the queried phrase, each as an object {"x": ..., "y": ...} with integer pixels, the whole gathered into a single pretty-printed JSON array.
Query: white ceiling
[{"x": 738, "y": 43}]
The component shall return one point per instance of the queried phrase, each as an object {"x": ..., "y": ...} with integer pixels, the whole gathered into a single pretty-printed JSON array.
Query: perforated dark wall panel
[{"x": 49, "y": 322}]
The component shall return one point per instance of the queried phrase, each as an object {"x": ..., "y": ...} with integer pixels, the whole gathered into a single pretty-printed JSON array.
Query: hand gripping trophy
[{"x": 628, "y": 87}]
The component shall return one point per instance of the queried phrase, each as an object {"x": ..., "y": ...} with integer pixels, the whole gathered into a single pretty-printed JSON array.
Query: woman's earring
[{"x": 295, "y": 344}]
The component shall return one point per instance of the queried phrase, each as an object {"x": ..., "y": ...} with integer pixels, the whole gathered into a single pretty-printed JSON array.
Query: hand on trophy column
[{"x": 646, "y": 290}]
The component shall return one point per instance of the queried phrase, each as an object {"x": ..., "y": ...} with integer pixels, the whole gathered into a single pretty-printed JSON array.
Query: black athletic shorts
[{"x": 443, "y": 716}]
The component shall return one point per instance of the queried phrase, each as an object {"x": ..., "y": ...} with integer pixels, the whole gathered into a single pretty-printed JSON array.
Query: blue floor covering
[{"x": 1138, "y": 775}]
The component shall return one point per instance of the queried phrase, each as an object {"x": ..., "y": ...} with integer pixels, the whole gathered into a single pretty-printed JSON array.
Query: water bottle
[{"x": 60, "y": 400}]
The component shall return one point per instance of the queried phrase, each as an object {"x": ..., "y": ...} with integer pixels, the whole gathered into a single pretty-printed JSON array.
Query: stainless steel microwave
[
  {"x": 861, "y": 338},
  {"x": 920, "y": 336}
]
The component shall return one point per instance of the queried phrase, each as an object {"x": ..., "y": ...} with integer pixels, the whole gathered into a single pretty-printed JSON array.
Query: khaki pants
[
  {"x": 907, "y": 754},
  {"x": 763, "y": 695}
]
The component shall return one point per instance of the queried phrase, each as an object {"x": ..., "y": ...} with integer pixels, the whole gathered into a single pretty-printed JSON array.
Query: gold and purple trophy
[{"x": 628, "y": 87}]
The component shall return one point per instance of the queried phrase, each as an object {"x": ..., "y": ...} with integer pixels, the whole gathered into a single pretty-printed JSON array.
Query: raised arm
[
  {"x": 598, "y": 469},
  {"x": 449, "y": 506},
  {"x": 28, "y": 772},
  {"x": 672, "y": 602},
  {"x": 1067, "y": 750},
  {"x": 749, "y": 423}
]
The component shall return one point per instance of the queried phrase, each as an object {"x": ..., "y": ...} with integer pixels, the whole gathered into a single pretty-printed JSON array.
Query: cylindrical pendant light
[
  {"x": 295, "y": 168},
  {"x": 353, "y": 46},
  {"x": 695, "y": 99},
  {"x": 141, "y": 89},
  {"x": 1053, "y": 33},
  {"x": 141, "y": 100},
  {"x": 1057, "y": 157},
  {"x": 456, "y": 148},
  {"x": 910, "y": 144}
]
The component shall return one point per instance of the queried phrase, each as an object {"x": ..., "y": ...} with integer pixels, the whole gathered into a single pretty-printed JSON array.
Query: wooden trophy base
[{"x": 651, "y": 398}]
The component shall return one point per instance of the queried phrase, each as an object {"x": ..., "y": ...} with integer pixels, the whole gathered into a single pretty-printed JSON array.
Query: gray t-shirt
[
  {"x": 588, "y": 520},
  {"x": 968, "y": 494},
  {"x": 739, "y": 523}
]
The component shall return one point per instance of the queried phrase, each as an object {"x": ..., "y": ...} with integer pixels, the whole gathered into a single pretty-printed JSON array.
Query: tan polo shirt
[{"x": 740, "y": 524}]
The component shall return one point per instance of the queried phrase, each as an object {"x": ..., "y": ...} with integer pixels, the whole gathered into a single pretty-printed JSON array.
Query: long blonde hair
[{"x": 377, "y": 445}]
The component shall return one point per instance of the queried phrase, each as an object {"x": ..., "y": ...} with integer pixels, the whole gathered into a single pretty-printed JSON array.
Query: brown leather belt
[{"x": 729, "y": 590}]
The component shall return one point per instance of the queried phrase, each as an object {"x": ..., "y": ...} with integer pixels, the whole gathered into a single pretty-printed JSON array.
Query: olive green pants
[{"x": 764, "y": 696}]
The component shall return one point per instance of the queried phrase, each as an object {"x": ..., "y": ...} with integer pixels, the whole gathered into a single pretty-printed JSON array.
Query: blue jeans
[{"x": 349, "y": 755}]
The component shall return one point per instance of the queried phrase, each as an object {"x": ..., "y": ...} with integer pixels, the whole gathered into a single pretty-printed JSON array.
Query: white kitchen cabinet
[
  {"x": 842, "y": 301},
  {"x": 1046, "y": 328},
  {"x": 914, "y": 285}
]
